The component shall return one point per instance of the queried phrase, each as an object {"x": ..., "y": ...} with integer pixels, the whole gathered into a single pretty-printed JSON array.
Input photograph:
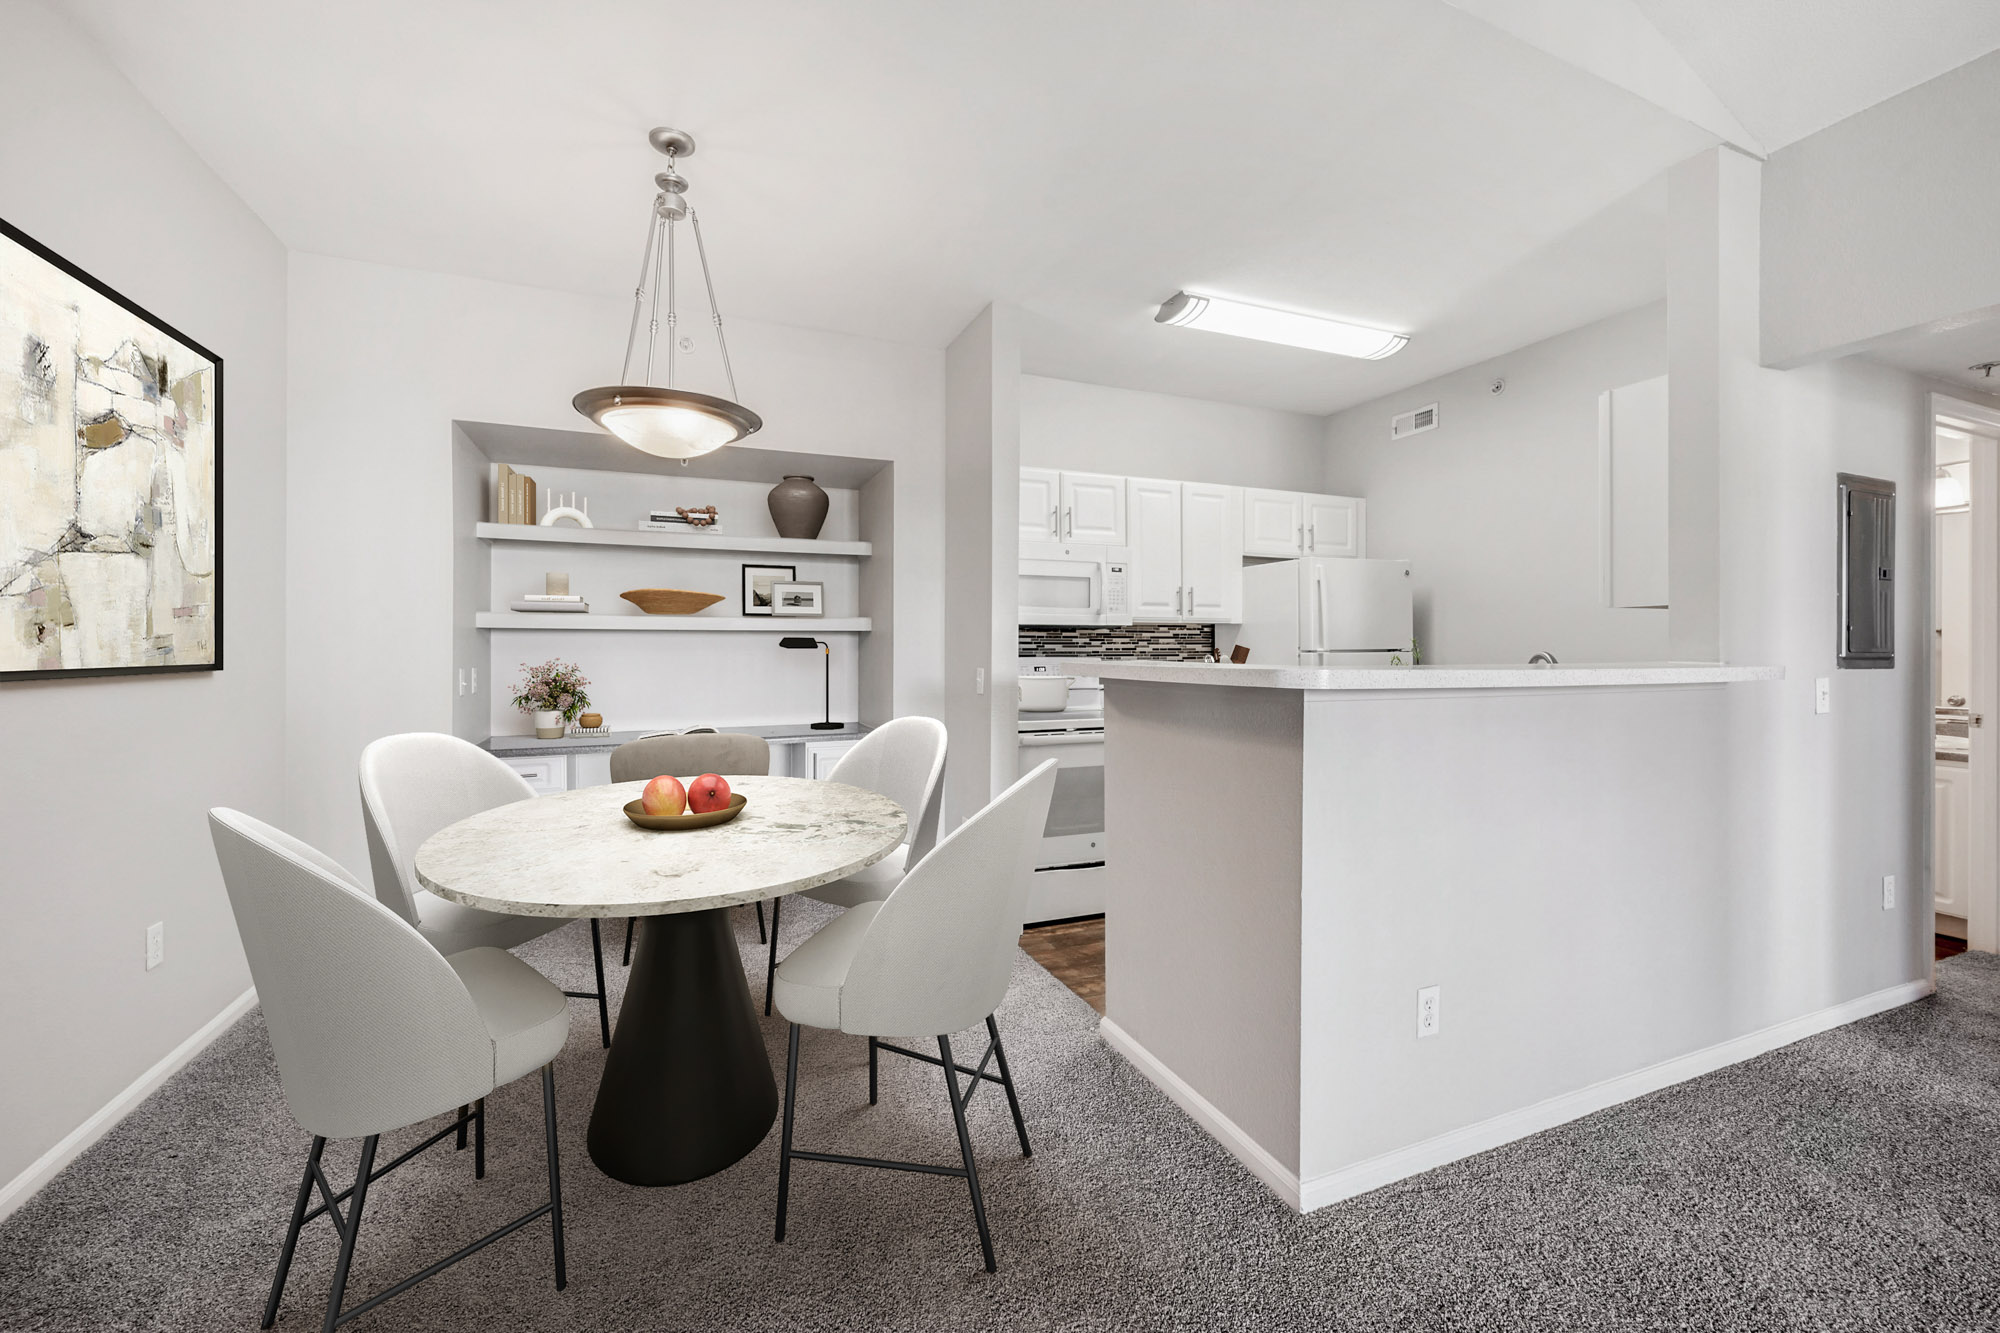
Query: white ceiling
[
  {"x": 888, "y": 167},
  {"x": 1947, "y": 353},
  {"x": 1790, "y": 67}
]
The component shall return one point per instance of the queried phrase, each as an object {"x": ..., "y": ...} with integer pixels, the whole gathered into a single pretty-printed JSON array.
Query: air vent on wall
[{"x": 1414, "y": 423}]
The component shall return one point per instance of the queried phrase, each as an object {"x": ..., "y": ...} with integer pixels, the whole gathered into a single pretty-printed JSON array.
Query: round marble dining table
[{"x": 687, "y": 1087}]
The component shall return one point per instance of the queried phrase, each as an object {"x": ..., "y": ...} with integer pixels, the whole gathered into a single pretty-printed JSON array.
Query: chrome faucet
[{"x": 1543, "y": 659}]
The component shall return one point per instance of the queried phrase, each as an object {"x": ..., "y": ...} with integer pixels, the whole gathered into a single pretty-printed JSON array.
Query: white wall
[
  {"x": 106, "y": 782},
  {"x": 1129, "y": 433},
  {"x": 1952, "y": 603},
  {"x": 1884, "y": 221},
  {"x": 386, "y": 359},
  {"x": 1497, "y": 510}
]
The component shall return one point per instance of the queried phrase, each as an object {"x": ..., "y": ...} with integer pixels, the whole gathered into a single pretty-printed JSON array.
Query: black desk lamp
[{"x": 797, "y": 641}]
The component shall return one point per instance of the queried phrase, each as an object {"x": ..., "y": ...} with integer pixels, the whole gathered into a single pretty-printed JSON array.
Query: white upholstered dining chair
[
  {"x": 373, "y": 1030},
  {"x": 902, "y": 759},
  {"x": 935, "y": 957},
  {"x": 689, "y": 754},
  {"x": 416, "y": 783}
]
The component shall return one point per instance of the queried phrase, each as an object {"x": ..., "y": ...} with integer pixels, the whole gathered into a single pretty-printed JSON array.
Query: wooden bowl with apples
[{"x": 670, "y": 806}]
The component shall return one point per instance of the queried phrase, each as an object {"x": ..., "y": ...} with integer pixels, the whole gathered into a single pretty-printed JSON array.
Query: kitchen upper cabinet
[
  {"x": 1211, "y": 551},
  {"x": 1041, "y": 504},
  {"x": 1093, "y": 509},
  {"x": 1286, "y": 524},
  {"x": 1187, "y": 542},
  {"x": 1153, "y": 578},
  {"x": 1274, "y": 523},
  {"x": 1333, "y": 525}
]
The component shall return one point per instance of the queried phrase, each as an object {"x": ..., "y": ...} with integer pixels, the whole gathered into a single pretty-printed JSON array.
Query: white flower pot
[{"x": 549, "y": 725}]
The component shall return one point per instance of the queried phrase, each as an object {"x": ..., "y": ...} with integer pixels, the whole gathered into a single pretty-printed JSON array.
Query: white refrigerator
[{"x": 1328, "y": 612}]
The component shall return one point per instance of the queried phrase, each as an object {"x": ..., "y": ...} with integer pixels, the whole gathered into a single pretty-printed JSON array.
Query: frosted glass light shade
[
  {"x": 1951, "y": 494},
  {"x": 1218, "y": 314},
  {"x": 667, "y": 423}
]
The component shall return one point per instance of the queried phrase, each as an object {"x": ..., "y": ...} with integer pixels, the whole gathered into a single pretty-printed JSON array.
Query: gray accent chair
[
  {"x": 903, "y": 760},
  {"x": 373, "y": 1030},
  {"x": 689, "y": 755},
  {"x": 934, "y": 956},
  {"x": 416, "y": 783}
]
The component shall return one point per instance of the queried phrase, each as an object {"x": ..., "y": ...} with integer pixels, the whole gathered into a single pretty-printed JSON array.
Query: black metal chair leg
[
  {"x": 555, "y": 1171},
  {"x": 603, "y": 1004},
  {"x": 760, "y": 922},
  {"x": 785, "y": 1140},
  {"x": 771, "y": 969},
  {"x": 349, "y": 1234},
  {"x": 965, "y": 1151},
  {"x": 1007, "y": 1082},
  {"x": 292, "y": 1234},
  {"x": 479, "y": 1139},
  {"x": 630, "y": 921},
  {"x": 872, "y": 1048},
  {"x": 463, "y": 1112}
]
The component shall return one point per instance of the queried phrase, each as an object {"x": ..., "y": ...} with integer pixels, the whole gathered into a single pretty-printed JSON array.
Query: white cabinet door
[
  {"x": 1273, "y": 523},
  {"x": 1041, "y": 504},
  {"x": 1953, "y": 854},
  {"x": 1333, "y": 526},
  {"x": 1153, "y": 579},
  {"x": 547, "y": 775},
  {"x": 1211, "y": 551},
  {"x": 821, "y": 756},
  {"x": 1093, "y": 509}
]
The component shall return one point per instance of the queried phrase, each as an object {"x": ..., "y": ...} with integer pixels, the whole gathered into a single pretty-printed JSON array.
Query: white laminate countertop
[{"x": 1424, "y": 677}]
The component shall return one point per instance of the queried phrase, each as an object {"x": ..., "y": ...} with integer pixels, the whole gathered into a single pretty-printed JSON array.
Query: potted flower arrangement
[{"x": 554, "y": 693}]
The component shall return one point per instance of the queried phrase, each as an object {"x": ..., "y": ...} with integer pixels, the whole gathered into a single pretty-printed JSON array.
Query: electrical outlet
[
  {"x": 156, "y": 944},
  {"x": 461, "y": 682},
  {"x": 979, "y": 680},
  {"x": 1427, "y": 1012},
  {"x": 1822, "y": 695},
  {"x": 1888, "y": 892}
]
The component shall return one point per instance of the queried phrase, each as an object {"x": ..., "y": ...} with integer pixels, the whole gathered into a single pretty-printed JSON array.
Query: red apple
[
  {"x": 708, "y": 792},
  {"x": 664, "y": 796}
]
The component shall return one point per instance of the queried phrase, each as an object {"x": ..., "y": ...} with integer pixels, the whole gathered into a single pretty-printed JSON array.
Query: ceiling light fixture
[
  {"x": 1219, "y": 314},
  {"x": 1950, "y": 494},
  {"x": 668, "y": 422}
]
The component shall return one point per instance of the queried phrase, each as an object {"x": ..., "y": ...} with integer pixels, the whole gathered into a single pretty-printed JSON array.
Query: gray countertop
[
  {"x": 517, "y": 746},
  {"x": 1420, "y": 678}
]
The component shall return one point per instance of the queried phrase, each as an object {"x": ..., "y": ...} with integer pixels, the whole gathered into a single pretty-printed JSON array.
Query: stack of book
[
  {"x": 670, "y": 520},
  {"x": 513, "y": 496},
  {"x": 545, "y": 601}
]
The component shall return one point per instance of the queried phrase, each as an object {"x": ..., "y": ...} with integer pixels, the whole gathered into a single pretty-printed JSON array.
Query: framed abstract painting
[{"x": 110, "y": 480}]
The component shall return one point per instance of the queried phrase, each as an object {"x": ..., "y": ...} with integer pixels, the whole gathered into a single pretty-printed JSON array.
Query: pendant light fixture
[{"x": 668, "y": 422}]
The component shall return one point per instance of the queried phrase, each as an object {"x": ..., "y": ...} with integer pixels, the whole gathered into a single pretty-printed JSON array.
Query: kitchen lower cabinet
[
  {"x": 1951, "y": 830},
  {"x": 821, "y": 756},
  {"x": 547, "y": 774}
]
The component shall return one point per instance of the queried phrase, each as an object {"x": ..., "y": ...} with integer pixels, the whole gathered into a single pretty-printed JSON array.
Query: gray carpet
[{"x": 1847, "y": 1182}]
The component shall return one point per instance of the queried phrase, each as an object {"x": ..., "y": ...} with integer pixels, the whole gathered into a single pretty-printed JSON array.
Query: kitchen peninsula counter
[{"x": 1294, "y": 854}]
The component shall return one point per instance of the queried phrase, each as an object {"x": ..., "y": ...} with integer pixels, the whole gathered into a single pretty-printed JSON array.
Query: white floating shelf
[
  {"x": 696, "y": 624},
  {"x": 565, "y": 535}
]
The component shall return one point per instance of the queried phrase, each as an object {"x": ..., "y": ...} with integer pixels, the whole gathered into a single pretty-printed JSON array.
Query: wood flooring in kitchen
[{"x": 1073, "y": 952}]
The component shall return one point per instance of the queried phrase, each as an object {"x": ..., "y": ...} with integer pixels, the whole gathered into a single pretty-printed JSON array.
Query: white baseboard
[
  {"x": 1284, "y": 1182},
  {"x": 73, "y": 1144},
  {"x": 1402, "y": 1163}
]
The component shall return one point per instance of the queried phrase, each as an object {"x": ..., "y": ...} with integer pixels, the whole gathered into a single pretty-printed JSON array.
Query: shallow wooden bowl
[
  {"x": 670, "y": 601},
  {"x": 636, "y": 812}
]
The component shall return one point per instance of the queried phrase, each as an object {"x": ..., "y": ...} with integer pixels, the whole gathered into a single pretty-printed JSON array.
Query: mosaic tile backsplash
[{"x": 1158, "y": 643}]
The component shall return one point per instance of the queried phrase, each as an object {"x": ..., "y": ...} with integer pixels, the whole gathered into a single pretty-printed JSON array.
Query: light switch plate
[
  {"x": 156, "y": 944},
  {"x": 1822, "y": 695},
  {"x": 1888, "y": 892}
]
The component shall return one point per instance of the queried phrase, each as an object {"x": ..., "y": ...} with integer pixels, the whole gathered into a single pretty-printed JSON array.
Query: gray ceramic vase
[{"x": 798, "y": 507}]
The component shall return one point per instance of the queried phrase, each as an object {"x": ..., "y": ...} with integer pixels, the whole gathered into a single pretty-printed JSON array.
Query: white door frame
[{"x": 1982, "y": 921}]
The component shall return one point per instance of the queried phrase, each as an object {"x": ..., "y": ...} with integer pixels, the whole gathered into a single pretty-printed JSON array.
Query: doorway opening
[{"x": 1964, "y": 673}]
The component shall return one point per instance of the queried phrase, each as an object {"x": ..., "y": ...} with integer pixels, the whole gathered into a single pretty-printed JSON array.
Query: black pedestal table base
[{"x": 687, "y": 1087}]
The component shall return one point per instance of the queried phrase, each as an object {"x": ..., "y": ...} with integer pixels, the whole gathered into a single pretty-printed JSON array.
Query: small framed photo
[
  {"x": 798, "y": 599},
  {"x": 758, "y": 580}
]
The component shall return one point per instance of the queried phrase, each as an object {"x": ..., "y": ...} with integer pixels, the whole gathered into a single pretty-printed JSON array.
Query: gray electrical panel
[{"x": 1867, "y": 572}]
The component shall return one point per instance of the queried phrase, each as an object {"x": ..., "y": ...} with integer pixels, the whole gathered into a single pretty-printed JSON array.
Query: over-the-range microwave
[{"x": 1073, "y": 585}]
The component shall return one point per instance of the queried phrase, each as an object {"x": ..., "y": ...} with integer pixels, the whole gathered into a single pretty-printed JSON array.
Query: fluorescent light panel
[{"x": 1218, "y": 314}]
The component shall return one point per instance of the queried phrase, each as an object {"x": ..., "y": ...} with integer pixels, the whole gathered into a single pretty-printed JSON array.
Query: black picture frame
[
  {"x": 9, "y": 232},
  {"x": 781, "y": 573}
]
